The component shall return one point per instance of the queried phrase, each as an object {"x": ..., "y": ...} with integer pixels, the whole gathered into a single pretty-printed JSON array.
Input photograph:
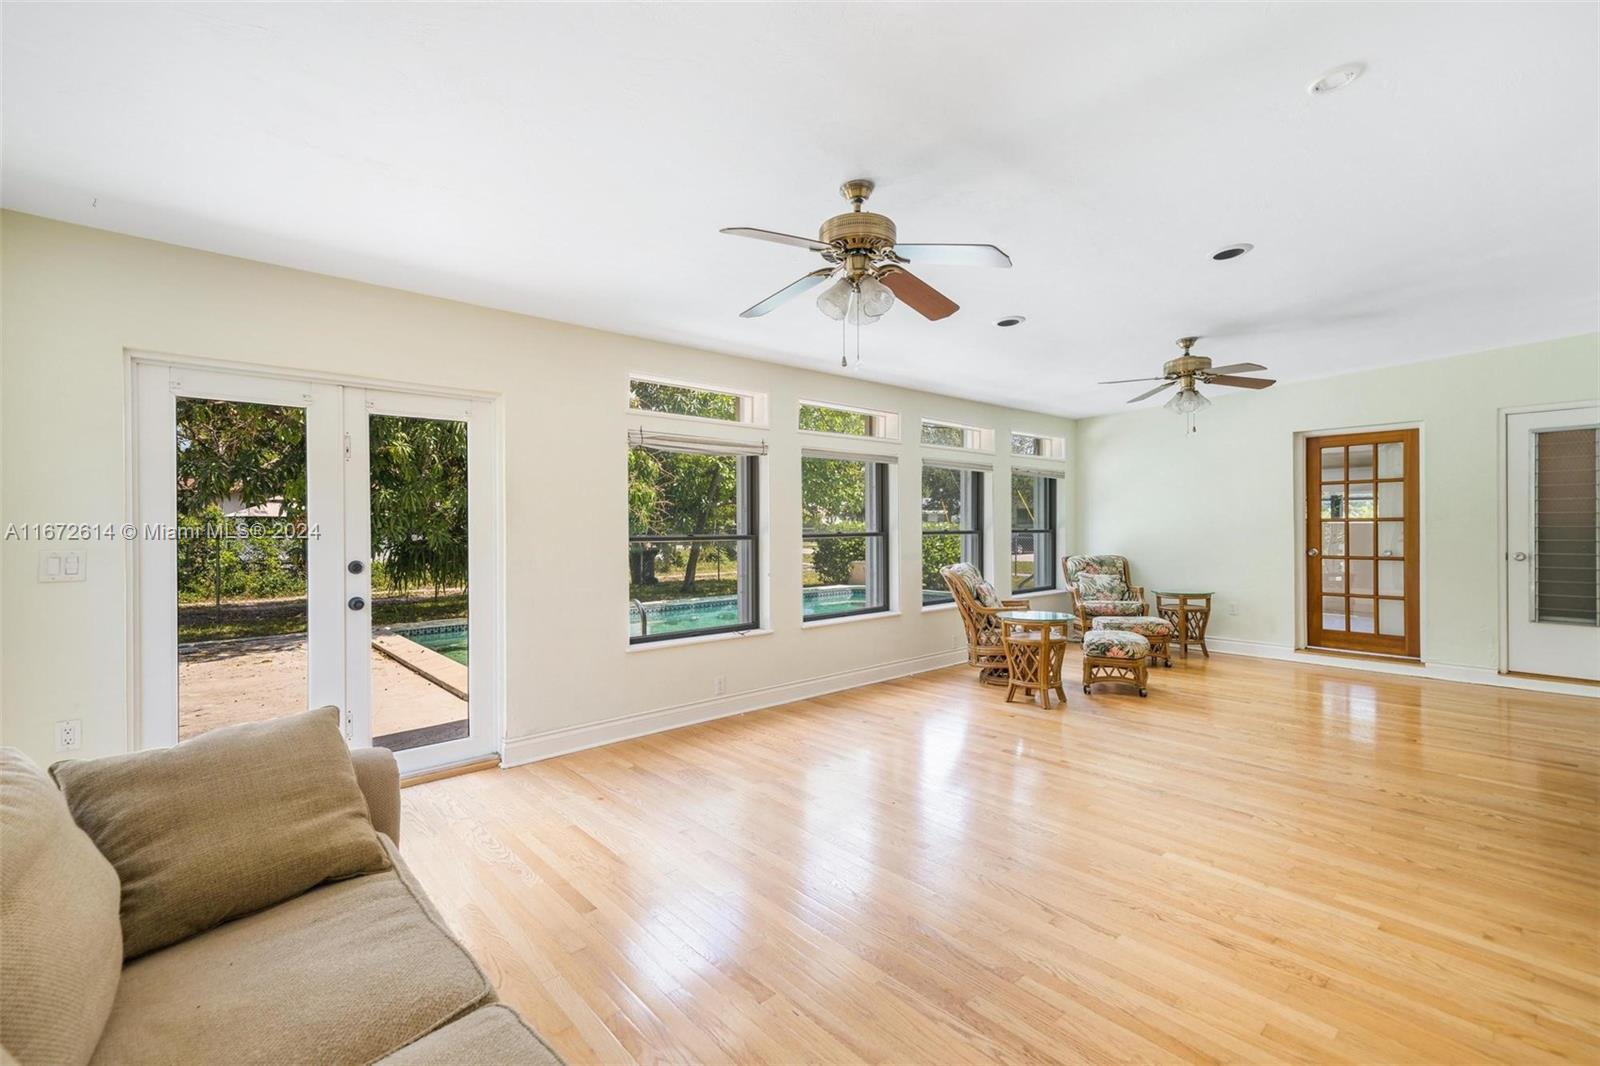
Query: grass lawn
[{"x": 277, "y": 618}]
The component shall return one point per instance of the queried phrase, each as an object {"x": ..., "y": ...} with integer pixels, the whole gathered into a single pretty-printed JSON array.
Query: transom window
[
  {"x": 1040, "y": 445},
  {"x": 952, "y": 525},
  {"x": 693, "y": 401},
  {"x": 845, "y": 536},
  {"x": 954, "y": 435},
  {"x": 1033, "y": 532},
  {"x": 850, "y": 421},
  {"x": 692, "y": 523}
]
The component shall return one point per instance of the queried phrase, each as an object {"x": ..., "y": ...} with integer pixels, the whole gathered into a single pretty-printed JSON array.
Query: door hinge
[{"x": 347, "y": 447}]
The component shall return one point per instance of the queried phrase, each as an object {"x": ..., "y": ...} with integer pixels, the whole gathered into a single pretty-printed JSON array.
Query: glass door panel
[
  {"x": 1361, "y": 534},
  {"x": 237, "y": 477},
  {"x": 420, "y": 647}
]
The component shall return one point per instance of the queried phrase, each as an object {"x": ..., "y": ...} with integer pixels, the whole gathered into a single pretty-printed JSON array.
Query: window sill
[
  {"x": 709, "y": 638},
  {"x": 819, "y": 623},
  {"x": 1036, "y": 593},
  {"x": 929, "y": 608}
]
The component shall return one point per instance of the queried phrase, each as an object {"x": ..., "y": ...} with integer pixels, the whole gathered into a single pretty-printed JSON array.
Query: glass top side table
[{"x": 1036, "y": 644}]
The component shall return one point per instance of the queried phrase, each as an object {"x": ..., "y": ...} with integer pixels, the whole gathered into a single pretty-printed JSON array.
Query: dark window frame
[
  {"x": 972, "y": 536},
  {"x": 748, "y": 531},
  {"x": 877, "y": 539},
  {"x": 1049, "y": 529}
]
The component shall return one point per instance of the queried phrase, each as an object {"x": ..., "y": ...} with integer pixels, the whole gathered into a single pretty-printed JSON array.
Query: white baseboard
[
  {"x": 549, "y": 744},
  {"x": 1471, "y": 675}
]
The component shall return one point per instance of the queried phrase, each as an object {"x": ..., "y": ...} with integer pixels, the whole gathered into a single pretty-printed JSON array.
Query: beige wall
[
  {"x": 75, "y": 300},
  {"x": 1219, "y": 508}
]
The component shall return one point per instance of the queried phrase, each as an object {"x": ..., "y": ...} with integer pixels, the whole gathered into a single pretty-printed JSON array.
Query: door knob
[
  {"x": 1313, "y": 552},
  {"x": 1521, "y": 557},
  {"x": 356, "y": 603},
  {"x": 355, "y": 566}
]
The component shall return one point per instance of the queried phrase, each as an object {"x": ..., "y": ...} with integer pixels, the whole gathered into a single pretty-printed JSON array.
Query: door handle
[
  {"x": 1313, "y": 552},
  {"x": 1521, "y": 557}
]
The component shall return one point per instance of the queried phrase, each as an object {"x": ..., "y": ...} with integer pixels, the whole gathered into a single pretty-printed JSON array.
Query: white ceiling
[{"x": 576, "y": 161}]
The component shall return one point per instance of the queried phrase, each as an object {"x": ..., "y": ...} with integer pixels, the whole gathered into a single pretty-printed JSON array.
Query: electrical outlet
[
  {"x": 719, "y": 685},
  {"x": 1233, "y": 606},
  {"x": 69, "y": 734}
]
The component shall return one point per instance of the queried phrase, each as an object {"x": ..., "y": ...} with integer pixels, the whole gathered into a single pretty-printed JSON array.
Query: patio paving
[{"x": 229, "y": 681}]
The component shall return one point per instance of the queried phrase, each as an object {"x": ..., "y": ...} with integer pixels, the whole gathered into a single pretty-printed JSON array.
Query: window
[
  {"x": 667, "y": 398},
  {"x": 851, "y": 421},
  {"x": 844, "y": 536},
  {"x": 692, "y": 546},
  {"x": 952, "y": 526},
  {"x": 1033, "y": 532},
  {"x": 955, "y": 435},
  {"x": 1034, "y": 444}
]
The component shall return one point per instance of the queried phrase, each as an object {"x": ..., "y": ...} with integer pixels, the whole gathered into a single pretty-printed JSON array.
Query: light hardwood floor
[{"x": 1260, "y": 862}]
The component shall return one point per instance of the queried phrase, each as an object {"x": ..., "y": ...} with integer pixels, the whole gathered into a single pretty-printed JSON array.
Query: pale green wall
[{"x": 1220, "y": 508}]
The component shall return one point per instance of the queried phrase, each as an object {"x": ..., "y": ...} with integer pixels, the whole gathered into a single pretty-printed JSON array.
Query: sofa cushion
[
  {"x": 237, "y": 819},
  {"x": 60, "y": 938},
  {"x": 348, "y": 972},
  {"x": 489, "y": 1036}
]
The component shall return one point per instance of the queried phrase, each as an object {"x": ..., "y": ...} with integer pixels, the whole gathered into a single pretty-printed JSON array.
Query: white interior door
[
  {"x": 1553, "y": 542},
  {"x": 306, "y": 544},
  {"x": 421, "y": 601}
]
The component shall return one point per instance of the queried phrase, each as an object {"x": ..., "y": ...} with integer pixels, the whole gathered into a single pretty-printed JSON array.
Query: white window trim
[
  {"x": 864, "y": 616},
  {"x": 708, "y": 638}
]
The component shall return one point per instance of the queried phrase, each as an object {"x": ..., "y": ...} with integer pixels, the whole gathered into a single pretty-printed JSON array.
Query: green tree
[{"x": 419, "y": 500}]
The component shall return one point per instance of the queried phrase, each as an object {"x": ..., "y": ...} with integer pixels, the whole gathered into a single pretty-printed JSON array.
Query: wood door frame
[{"x": 1308, "y": 475}]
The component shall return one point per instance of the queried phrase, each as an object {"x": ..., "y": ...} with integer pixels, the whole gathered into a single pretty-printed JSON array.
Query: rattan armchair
[
  {"x": 1117, "y": 597},
  {"x": 978, "y": 604}
]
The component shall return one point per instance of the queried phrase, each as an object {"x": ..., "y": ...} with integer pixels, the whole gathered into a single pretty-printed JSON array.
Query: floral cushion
[
  {"x": 1096, "y": 608},
  {"x": 1094, "y": 564},
  {"x": 1102, "y": 587},
  {"x": 1146, "y": 625},
  {"x": 1115, "y": 644},
  {"x": 972, "y": 578},
  {"x": 985, "y": 594}
]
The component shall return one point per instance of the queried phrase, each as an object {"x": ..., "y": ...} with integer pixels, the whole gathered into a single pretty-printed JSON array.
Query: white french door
[
  {"x": 305, "y": 544},
  {"x": 1553, "y": 542}
]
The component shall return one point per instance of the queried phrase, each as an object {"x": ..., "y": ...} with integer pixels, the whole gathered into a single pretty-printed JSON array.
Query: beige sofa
[{"x": 178, "y": 859}]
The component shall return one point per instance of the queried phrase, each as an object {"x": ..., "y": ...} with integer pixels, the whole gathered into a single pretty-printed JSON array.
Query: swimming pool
[
  {"x": 715, "y": 612},
  {"x": 665, "y": 616},
  {"x": 448, "y": 639}
]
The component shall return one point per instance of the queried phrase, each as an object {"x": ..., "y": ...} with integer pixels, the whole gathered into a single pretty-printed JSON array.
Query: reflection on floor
[
  {"x": 223, "y": 682},
  {"x": 1263, "y": 861}
]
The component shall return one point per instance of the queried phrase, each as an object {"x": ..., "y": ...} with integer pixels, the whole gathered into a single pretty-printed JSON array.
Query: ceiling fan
[
  {"x": 1189, "y": 370},
  {"x": 863, "y": 254}
]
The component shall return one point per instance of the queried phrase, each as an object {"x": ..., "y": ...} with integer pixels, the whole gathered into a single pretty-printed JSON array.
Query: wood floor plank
[{"x": 1261, "y": 862}]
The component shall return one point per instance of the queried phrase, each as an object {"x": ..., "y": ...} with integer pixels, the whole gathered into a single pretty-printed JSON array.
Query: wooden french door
[{"x": 1362, "y": 543}]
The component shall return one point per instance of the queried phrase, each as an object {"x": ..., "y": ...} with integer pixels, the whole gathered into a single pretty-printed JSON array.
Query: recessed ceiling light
[
  {"x": 1336, "y": 79},
  {"x": 1232, "y": 251},
  {"x": 1010, "y": 320}
]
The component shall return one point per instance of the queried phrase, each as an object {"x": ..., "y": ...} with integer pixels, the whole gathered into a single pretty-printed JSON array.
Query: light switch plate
[{"x": 61, "y": 566}]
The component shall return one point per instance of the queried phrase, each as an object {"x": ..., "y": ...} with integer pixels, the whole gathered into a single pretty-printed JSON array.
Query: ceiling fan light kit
[
  {"x": 1188, "y": 371},
  {"x": 868, "y": 266}
]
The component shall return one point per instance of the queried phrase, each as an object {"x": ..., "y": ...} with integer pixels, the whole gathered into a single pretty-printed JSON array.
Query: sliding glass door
[{"x": 304, "y": 544}]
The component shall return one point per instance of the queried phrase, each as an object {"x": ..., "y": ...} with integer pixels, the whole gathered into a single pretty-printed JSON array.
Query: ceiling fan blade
[
  {"x": 809, "y": 243},
  {"x": 1152, "y": 392},
  {"x": 918, "y": 295},
  {"x": 1238, "y": 382},
  {"x": 967, "y": 255},
  {"x": 1236, "y": 368},
  {"x": 1130, "y": 381},
  {"x": 787, "y": 293}
]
